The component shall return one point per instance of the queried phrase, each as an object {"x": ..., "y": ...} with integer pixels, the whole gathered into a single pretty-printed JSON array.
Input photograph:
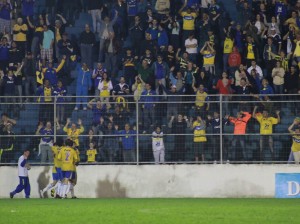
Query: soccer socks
[
  {"x": 58, "y": 187},
  {"x": 47, "y": 188},
  {"x": 68, "y": 188},
  {"x": 72, "y": 190},
  {"x": 65, "y": 189}
]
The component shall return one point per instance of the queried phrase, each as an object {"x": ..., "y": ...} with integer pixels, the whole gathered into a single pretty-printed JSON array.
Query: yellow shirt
[
  {"x": 68, "y": 157},
  {"x": 296, "y": 143},
  {"x": 200, "y": 99},
  {"x": 266, "y": 124},
  {"x": 199, "y": 132},
  {"x": 21, "y": 36},
  {"x": 228, "y": 45},
  {"x": 57, "y": 162},
  {"x": 250, "y": 54},
  {"x": 73, "y": 134},
  {"x": 297, "y": 49},
  {"x": 188, "y": 20},
  {"x": 76, "y": 161},
  {"x": 91, "y": 154},
  {"x": 208, "y": 58},
  {"x": 105, "y": 93}
]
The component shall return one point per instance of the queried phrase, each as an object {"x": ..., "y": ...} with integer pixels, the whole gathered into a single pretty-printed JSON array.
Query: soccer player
[
  {"x": 68, "y": 157},
  {"x": 23, "y": 167},
  {"x": 56, "y": 171},
  {"x": 91, "y": 153},
  {"x": 296, "y": 140},
  {"x": 74, "y": 175},
  {"x": 266, "y": 129}
]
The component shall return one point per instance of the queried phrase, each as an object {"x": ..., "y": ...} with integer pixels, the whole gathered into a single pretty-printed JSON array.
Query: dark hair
[{"x": 69, "y": 142}]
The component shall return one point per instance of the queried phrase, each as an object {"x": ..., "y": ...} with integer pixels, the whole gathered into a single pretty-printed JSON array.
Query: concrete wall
[{"x": 150, "y": 181}]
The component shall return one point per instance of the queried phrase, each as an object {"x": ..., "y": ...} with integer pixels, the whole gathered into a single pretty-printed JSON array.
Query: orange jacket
[{"x": 240, "y": 124}]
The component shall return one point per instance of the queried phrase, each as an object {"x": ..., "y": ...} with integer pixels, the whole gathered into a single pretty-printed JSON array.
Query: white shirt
[
  {"x": 192, "y": 50},
  {"x": 22, "y": 171},
  {"x": 258, "y": 70},
  {"x": 157, "y": 141}
]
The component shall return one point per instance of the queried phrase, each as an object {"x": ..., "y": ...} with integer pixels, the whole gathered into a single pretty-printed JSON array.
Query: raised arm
[{"x": 254, "y": 112}]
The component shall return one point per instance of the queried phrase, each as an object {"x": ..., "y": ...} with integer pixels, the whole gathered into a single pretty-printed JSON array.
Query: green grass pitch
[{"x": 183, "y": 211}]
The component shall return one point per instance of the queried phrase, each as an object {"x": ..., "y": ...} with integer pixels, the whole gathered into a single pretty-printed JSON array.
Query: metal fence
[{"x": 154, "y": 129}]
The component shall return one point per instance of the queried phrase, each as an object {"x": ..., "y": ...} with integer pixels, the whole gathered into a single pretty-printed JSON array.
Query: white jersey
[
  {"x": 22, "y": 170},
  {"x": 157, "y": 141}
]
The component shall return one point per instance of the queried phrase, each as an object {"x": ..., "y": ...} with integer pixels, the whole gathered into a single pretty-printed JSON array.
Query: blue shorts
[
  {"x": 58, "y": 175},
  {"x": 67, "y": 174}
]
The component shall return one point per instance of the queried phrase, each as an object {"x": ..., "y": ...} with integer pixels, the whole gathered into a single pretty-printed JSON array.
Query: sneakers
[
  {"x": 58, "y": 197},
  {"x": 74, "y": 197},
  {"x": 11, "y": 195},
  {"x": 52, "y": 193}
]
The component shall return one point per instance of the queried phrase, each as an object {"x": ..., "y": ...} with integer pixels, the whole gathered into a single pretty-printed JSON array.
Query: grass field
[{"x": 183, "y": 211}]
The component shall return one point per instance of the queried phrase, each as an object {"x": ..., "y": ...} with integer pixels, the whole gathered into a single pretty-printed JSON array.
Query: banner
[{"x": 287, "y": 185}]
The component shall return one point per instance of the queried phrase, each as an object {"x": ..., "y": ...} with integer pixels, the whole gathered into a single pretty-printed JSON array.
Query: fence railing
[{"x": 192, "y": 129}]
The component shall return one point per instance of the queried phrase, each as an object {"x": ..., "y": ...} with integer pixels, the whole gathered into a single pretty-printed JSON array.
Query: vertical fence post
[
  {"x": 54, "y": 115},
  {"x": 221, "y": 129},
  {"x": 137, "y": 132}
]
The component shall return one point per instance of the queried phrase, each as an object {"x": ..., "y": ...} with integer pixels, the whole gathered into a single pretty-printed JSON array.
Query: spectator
[
  {"x": 296, "y": 140},
  {"x": 94, "y": 7},
  {"x": 148, "y": 100},
  {"x": 227, "y": 50},
  {"x": 8, "y": 83},
  {"x": 112, "y": 49},
  {"x": 191, "y": 45},
  {"x": 46, "y": 141},
  {"x": 7, "y": 144},
  {"x": 105, "y": 86},
  {"x": 136, "y": 34},
  {"x": 234, "y": 60},
  {"x": 106, "y": 27},
  {"x": 208, "y": 57},
  {"x": 97, "y": 77},
  {"x": 128, "y": 143},
  {"x": 65, "y": 50},
  {"x": 20, "y": 35},
  {"x": 73, "y": 132},
  {"x": 278, "y": 74},
  {"x": 161, "y": 69},
  {"x": 266, "y": 130},
  {"x": 4, "y": 54},
  {"x": 178, "y": 127},
  {"x": 188, "y": 18},
  {"x": 84, "y": 84},
  {"x": 199, "y": 145},
  {"x": 138, "y": 88},
  {"x": 60, "y": 92},
  {"x": 87, "y": 41},
  {"x": 91, "y": 153},
  {"x": 240, "y": 124},
  {"x": 47, "y": 45},
  {"x": 119, "y": 94},
  {"x": 257, "y": 69},
  {"x": 129, "y": 67},
  {"x": 45, "y": 93},
  {"x": 158, "y": 146},
  {"x": 29, "y": 78},
  {"x": 50, "y": 73},
  {"x": 28, "y": 8},
  {"x": 110, "y": 145},
  {"x": 99, "y": 111},
  {"x": 5, "y": 16}
]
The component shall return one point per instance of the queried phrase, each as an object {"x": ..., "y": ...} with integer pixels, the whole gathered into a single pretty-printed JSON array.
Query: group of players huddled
[{"x": 66, "y": 158}]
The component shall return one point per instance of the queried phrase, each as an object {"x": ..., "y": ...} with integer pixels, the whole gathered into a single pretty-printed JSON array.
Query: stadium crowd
[{"x": 150, "y": 51}]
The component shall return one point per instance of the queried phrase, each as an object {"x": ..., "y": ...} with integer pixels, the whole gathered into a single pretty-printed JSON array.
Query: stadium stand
[{"x": 188, "y": 66}]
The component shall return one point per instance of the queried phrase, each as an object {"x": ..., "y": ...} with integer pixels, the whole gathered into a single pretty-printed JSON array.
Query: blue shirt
[
  {"x": 132, "y": 7},
  {"x": 5, "y": 11},
  {"x": 46, "y": 132},
  {"x": 148, "y": 97},
  {"x": 28, "y": 8},
  {"x": 60, "y": 93},
  {"x": 128, "y": 140},
  {"x": 98, "y": 113},
  {"x": 48, "y": 37}
]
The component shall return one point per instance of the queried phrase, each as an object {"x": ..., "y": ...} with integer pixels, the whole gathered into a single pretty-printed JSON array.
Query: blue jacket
[
  {"x": 4, "y": 53},
  {"x": 266, "y": 90},
  {"x": 128, "y": 141},
  {"x": 60, "y": 92},
  {"x": 84, "y": 79},
  {"x": 163, "y": 39},
  {"x": 148, "y": 97}
]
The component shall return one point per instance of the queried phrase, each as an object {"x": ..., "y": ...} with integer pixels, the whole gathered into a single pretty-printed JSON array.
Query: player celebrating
[
  {"x": 56, "y": 171},
  {"x": 68, "y": 157},
  {"x": 23, "y": 167},
  {"x": 74, "y": 175}
]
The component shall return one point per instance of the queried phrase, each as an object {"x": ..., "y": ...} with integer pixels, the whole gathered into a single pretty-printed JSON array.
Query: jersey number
[{"x": 68, "y": 156}]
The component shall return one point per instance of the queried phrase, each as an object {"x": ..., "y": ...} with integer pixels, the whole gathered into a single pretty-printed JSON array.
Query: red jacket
[{"x": 234, "y": 59}]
